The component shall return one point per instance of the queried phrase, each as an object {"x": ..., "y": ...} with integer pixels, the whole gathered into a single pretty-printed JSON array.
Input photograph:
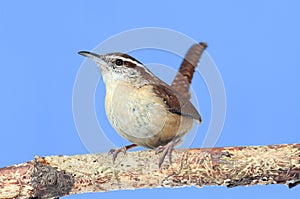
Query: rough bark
[{"x": 55, "y": 176}]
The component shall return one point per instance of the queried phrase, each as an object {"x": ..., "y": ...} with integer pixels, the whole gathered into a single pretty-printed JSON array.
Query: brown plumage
[
  {"x": 183, "y": 79},
  {"x": 144, "y": 109}
]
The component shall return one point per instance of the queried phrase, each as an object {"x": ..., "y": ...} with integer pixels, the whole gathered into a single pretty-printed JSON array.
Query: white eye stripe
[
  {"x": 126, "y": 58},
  {"x": 130, "y": 60}
]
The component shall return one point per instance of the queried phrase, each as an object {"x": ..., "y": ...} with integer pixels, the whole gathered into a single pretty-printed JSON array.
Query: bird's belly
[{"x": 140, "y": 117}]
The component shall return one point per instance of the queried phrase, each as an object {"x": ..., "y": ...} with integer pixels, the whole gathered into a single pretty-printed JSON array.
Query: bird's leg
[
  {"x": 167, "y": 150},
  {"x": 115, "y": 152}
]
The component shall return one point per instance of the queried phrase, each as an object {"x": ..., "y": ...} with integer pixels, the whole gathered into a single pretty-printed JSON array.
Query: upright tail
[{"x": 183, "y": 79}]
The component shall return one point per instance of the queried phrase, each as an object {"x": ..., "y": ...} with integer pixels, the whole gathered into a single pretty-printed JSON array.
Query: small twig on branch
[{"x": 55, "y": 176}]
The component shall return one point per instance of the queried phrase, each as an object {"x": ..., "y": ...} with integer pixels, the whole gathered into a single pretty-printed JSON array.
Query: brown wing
[{"x": 175, "y": 102}]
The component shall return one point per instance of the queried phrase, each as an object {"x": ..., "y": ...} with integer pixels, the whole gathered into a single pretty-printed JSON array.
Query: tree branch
[{"x": 55, "y": 176}]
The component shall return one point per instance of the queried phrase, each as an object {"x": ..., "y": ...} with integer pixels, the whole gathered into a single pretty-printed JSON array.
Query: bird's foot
[
  {"x": 115, "y": 152},
  {"x": 166, "y": 150}
]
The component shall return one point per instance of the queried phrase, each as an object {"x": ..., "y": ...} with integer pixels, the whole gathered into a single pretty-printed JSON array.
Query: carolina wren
[{"x": 141, "y": 107}]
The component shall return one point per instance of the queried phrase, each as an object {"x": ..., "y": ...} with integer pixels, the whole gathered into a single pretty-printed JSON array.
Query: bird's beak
[
  {"x": 94, "y": 56},
  {"x": 89, "y": 54}
]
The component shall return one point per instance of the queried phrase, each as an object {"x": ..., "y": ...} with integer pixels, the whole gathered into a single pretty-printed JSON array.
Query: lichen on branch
[{"x": 55, "y": 176}]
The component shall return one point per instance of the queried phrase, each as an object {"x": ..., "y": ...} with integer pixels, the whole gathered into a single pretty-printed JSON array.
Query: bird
[{"x": 144, "y": 109}]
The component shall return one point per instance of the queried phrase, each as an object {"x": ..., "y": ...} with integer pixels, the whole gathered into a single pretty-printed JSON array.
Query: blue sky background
[{"x": 255, "y": 46}]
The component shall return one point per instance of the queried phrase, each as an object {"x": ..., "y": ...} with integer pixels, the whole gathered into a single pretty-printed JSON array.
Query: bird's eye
[{"x": 119, "y": 62}]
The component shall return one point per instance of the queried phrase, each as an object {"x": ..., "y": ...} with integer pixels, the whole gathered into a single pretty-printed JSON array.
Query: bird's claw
[
  {"x": 166, "y": 151},
  {"x": 115, "y": 152}
]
